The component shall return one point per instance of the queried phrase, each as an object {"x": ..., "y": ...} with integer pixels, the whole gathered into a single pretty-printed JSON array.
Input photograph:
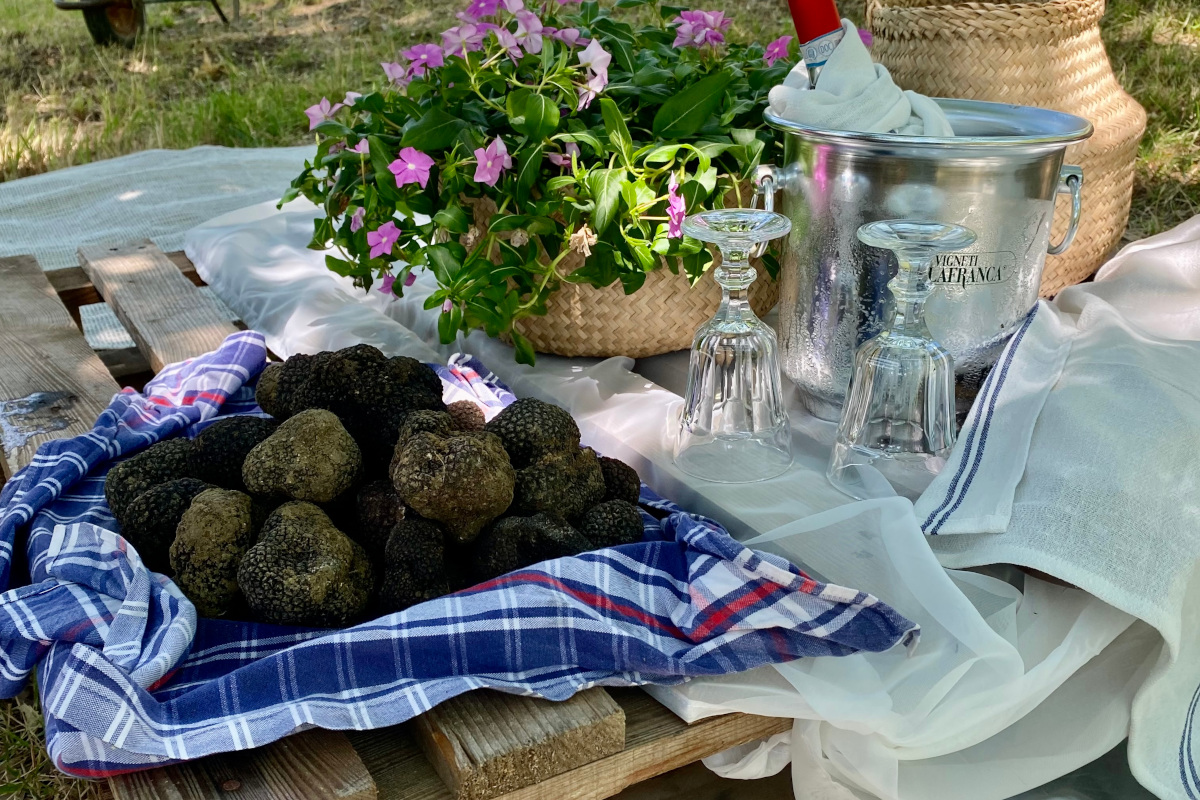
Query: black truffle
[
  {"x": 377, "y": 509},
  {"x": 151, "y": 520},
  {"x": 463, "y": 480},
  {"x": 220, "y": 449},
  {"x": 304, "y": 571},
  {"x": 467, "y": 415},
  {"x": 563, "y": 483},
  {"x": 532, "y": 429},
  {"x": 308, "y": 457},
  {"x": 621, "y": 481},
  {"x": 612, "y": 523},
  {"x": 213, "y": 535},
  {"x": 266, "y": 388},
  {"x": 164, "y": 461},
  {"x": 516, "y": 542},
  {"x": 414, "y": 565}
]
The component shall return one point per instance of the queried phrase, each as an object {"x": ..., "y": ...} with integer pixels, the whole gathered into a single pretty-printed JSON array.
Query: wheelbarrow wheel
[{"x": 119, "y": 22}]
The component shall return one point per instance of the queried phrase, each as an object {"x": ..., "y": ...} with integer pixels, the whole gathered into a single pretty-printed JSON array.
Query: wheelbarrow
[{"x": 120, "y": 21}]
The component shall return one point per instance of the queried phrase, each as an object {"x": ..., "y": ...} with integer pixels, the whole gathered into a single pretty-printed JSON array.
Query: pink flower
[
  {"x": 867, "y": 38},
  {"x": 463, "y": 39},
  {"x": 411, "y": 167},
  {"x": 321, "y": 112},
  {"x": 385, "y": 286},
  {"x": 482, "y": 8},
  {"x": 423, "y": 56},
  {"x": 513, "y": 6},
  {"x": 509, "y": 43},
  {"x": 381, "y": 240},
  {"x": 564, "y": 159},
  {"x": 777, "y": 50},
  {"x": 356, "y": 219},
  {"x": 529, "y": 31},
  {"x": 698, "y": 28},
  {"x": 410, "y": 278},
  {"x": 596, "y": 59},
  {"x": 351, "y": 97},
  {"x": 396, "y": 73},
  {"x": 568, "y": 36},
  {"x": 491, "y": 161},
  {"x": 676, "y": 210},
  {"x": 447, "y": 306},
  {"x": 362, "y": 148}
]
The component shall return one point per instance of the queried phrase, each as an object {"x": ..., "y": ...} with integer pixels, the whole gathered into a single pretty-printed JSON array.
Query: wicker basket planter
[{"x": 1046, "y": 54}]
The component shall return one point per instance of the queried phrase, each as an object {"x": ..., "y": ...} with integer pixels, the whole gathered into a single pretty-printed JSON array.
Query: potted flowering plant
[{"x": 533, "y": 149}]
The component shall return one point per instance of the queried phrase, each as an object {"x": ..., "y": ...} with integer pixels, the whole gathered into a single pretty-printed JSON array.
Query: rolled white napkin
[{"x": 856, "y": 94}]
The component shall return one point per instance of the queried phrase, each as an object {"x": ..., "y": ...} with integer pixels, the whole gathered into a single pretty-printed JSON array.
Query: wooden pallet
[{"x": 476, "y": 747}]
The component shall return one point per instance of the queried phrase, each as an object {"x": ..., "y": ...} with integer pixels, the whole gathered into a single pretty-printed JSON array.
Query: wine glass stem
[
  {"x": 910, "y": 289},
  {"x": 734, "y": 276}
]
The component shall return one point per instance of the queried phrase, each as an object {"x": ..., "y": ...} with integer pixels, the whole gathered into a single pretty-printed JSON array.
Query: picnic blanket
[{"x": 131, "y": 678}]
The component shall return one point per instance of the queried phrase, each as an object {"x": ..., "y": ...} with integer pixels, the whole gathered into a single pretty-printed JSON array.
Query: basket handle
[{"x": 1070, "y": 181}]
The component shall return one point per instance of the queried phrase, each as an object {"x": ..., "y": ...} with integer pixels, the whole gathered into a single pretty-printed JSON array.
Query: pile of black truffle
[{"x": 364, "y": 495}]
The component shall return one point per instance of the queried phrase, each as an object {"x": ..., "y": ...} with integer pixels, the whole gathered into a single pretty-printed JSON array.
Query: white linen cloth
[
  {"x": 855, "y": 94},
  {"x": 1015, "y": 683},
  {"x": 1097, "y": 479}
]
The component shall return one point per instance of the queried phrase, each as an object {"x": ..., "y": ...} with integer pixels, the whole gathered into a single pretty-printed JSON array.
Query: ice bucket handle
[
  {"x": 766, "y": 183},
  {"x": 1070, "y": 180}
]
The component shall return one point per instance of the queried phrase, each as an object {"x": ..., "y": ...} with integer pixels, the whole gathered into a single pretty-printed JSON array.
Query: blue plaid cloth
[{"x": 130, "y": 678}]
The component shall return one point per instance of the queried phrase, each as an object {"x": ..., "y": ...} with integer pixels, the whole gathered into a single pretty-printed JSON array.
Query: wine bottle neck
[{"x": 817, "y": 52}]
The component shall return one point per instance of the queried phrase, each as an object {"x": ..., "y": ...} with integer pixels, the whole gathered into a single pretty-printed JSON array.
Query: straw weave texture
[{"x": 1046, "y": 54}]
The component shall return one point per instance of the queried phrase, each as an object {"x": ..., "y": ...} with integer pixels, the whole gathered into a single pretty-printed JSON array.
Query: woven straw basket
[
  {"x": 661, "y": 317},
  {"x": 1046, "y": 54}
]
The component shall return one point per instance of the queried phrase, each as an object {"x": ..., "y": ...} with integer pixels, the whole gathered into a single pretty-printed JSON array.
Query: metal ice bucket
[{"x": 998, "y": 177}]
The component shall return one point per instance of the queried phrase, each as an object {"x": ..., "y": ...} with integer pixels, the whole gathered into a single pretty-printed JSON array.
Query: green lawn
[{"x": 194, "y": 81}]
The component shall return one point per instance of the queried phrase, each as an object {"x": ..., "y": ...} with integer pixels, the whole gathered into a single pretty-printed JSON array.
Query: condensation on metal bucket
[{"x": 998, "y": 177}]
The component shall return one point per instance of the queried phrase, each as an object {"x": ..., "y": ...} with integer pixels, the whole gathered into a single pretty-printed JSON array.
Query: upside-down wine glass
[
  {"x": 733, "y": 427},
  {"x": 898, "y": 422}
]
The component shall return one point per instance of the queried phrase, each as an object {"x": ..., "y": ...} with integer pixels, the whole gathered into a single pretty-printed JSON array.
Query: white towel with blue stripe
[{"x": 1081, "y": 459}]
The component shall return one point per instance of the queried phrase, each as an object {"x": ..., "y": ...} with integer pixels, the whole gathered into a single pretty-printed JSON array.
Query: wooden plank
[
  {"x": 51, "y": 383},
  {"x": 485, "y": 744},
  {"x": 164, "y": 314},
  {"x": 75, "y": 288},
  {"x": 656, "y": 742},
  {"x": 315, "y": 765}
]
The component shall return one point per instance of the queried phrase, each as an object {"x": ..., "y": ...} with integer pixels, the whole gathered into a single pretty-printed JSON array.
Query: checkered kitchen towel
[{"x": 130, "y": 678}]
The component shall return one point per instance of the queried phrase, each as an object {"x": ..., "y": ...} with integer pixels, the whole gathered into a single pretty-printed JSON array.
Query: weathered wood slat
[
  {"x": 656, "y": 742},
  {"x": 75, "y": 288},
  {"x": 485, "y": 744},
  {"x": 51, "y": 382},
  {"x": 164, "y": 314},
  {"x": 315, "y": 765}
]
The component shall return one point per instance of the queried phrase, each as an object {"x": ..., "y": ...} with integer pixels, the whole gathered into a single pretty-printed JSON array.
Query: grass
[{"x": 193, "y": 81}]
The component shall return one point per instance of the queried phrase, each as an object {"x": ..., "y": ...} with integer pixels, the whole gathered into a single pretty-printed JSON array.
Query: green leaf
[
  {"x": 445, "y": 260},
  {"x": 333, "y": 128},
  {"x": 555, "y": 183},
  {"x": 686, "y": 112},
  {"x": 618, "y": 132},
  {"x": 540, "y": 119},
  {"x": 507, "y": 222},
  {"x": 662, "y": 154},
  {"x": 632, "y": 281},
  {"x": 322, "y": 233},
  {"x": 529, "y": 166},
  {"x": 453, "y": 219},
  {"x": 582, "y": 137},
  {"x": 436, "y": 130},
  {"x": 634, "y": 3},
  {"x": 514, "y": 103},
  {"x": 524, "y": 354},
  {"x": 694, "y": 195},
  {"x": 605, "y": 187}
]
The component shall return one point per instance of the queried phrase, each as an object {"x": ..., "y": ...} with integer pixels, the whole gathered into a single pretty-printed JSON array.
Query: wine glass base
[
  {"x": 734, "y": 459},
  {"x": 865, "y": 474}
]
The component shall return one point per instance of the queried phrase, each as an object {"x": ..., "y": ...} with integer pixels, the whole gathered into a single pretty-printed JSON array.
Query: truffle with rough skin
[
  {"x": 532, "y": 429},
  {"x": 213, "y": 535},
  {"x": 564, "y": 483},
  {"x": 621, "y": 481},
  {"x": 425, "y": 421},
  {"x": 266, "y": 388},
  {"x": 414, "y": 565},
  {"x": 304, "y": 571},
  {"x": 612, "y": 523},
  {"x": 164, "y": 461},
  {"x": 463, "y": 480},
  {"x": 467, "y": 415},
  {"x": 308, "y": 457},
  {"x": 369, "y": 392},
  {"x": 220, "y": 449},
  {"x": 377, "y": 509},
  {"x": 516, "y": 542},
  {"x": 151, "y": 520}
]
